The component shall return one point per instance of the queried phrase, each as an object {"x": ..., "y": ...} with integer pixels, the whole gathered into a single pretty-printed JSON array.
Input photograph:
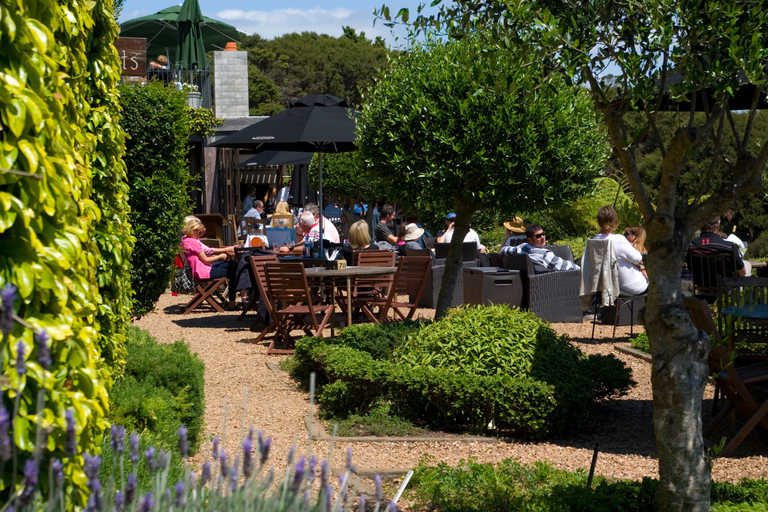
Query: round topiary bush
[{"x": 497, "y": 340}]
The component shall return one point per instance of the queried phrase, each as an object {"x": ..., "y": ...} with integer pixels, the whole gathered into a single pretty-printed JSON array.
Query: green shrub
[
  {"x": 747, "y": 490},
  {"x": 640, "y": 342},
  {"x": 156, "y": 119},
  {"x": 170, "y": 366}
]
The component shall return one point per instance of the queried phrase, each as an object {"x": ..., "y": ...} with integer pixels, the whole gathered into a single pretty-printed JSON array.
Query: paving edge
[
  {"x": 627, "y": 349},
  {"x": 317, "y": 435}
]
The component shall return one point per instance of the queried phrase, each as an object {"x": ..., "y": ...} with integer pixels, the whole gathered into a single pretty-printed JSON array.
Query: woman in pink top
[{"x": 207, "y": 262}]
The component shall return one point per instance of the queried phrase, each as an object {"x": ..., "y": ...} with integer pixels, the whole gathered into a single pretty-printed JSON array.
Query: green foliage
[
  {"x": 475, "y": 366},
  {"x": 177, "y": 373},
  {"x": 202, "y": 122},
  {"x": 641, "y": 342},
  {"x": 295, "y": 65},
  {"x": 747, "y": 490},
  {"x": 64, "y": 239},
  {"x": 445, "y": 139},
  {"x": 156, "y": 118},
  {"x": 379, "y": 421}
]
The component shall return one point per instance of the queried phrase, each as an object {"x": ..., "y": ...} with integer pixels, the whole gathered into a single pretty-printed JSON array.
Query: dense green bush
[
  {"x": 157, "y": 121},
  {"x": 162, "y": 388},
  {"x": 475, "y": 366},
  {"x": 512, "y": 486}
]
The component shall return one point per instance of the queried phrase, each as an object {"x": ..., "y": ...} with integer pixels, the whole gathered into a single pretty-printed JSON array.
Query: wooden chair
[
  {"x": 707, "y": 268},
  {"x": 206, "y": 290},
  {"x": 282, "y": 221},
  {"x": 366, "y": 289},
  {"x": 748, "y": 339},
  {"x": 257, "y": 265},
  {"x": 257, "y": 262},
  {"x": 287, "y": 287},
  {"x": 233, "y": 223},
  {"x": 411, "y": 275},
  {"x": 255, "y": 227},
  {"x": 211, "y": 242}
]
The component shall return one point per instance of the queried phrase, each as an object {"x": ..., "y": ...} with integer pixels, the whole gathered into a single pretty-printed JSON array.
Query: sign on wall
[{"x": 133, "y": 55}]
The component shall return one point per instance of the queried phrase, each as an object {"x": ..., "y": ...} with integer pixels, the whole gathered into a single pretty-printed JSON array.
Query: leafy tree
[
  {"x": 310, "y": 63},
  {"x": 262, "y": 92},
  {"x": 701, "y": 54},
  {"x": 156, "y": 118},
  {"x": 441, "y": 137}
]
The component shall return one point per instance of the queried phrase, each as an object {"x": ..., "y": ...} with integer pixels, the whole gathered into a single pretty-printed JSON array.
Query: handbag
[{"x": 184, "y": 282}]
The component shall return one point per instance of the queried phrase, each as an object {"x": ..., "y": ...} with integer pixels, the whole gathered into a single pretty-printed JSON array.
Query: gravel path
[{"x": 235, "y": 370}]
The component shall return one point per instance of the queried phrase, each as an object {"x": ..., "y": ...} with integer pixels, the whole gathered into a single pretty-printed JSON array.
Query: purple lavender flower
[
  {"x": 361, "y": 505},
  {"x": 291, "y": 454},
  {"x": 392, "y": 507},
  {"x": 350, "y": 467},
  {"x": 179, "y": 501},
  {"x": 163, "y": 459},
  {"x": 130, "y": 489},
  {"x": 30, "y": 482},
  {"x": 215, "y": 447},
  {"x": 94, "y": 499},
  {"x": 117, "y": 439},
  {"x": 250, "y": 433},
  {"x": 328, "y": 495},
  {"x": 183, "y": 444},
  {"x": 324, "y": 472},
  {"x": 8, "y": 296},
  {"x": 344, "y": 490},
  {"x": 247, "y": 457},
  {"x": 307, "y": 501},
  {"x": 5, "y": 436},
  {"x": 118, "y": 501},
  {"x": 150, "y": 455},
  {"x": 92, "y": 463},
  {"x": 21, "y": 363},
  {"x": 58, "y": 472},
  {"x": 70, "y": 446},
  {"x": 10, "y": 508},
  {"x": 260, "y": 439},
  {"x": 146, "y": 503},
  {"x": 311, "y": 470},
  {"x": 298, "y": 474},
  {"x": 233, "y": 477},
  {"x": 192, "y": 479},
  {"x": 223, "y": 462},
  {"x": 379, "y": 492},
  {"x": 265, "y": 451},
  {"x": 43, "y": 350},
  {"x": 206, "y": 473},
  {"x": 134, "y": 447}
]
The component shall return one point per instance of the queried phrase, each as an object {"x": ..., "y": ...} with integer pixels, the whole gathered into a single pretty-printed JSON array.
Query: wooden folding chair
[
  {"x": 257, "y": 262},
  {"x": 735, "y": 384},
  {"x": 255, "y": 227},
  {"x": 288, "y": 290},
  {"x": 411, "y": 275},
  {"x": 257, "y": 265},
  {"x": 282, "y": 220},
  {"x": 367, "y": 289},
  {"x": 708, "y": 267},
  {"x": 747, "y": 338},
  {"x": 206, "y": 290}
]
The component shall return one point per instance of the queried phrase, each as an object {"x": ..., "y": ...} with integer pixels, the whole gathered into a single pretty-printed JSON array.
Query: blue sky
[{"x": 272, "y": 19}]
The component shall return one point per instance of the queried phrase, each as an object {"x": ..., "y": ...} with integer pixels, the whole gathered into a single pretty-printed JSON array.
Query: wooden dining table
[{"x": 348, "y": 274}]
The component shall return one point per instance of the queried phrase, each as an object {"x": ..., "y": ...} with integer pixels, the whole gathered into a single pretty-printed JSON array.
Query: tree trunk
[
  {"x": 678, "y": 376},
  {"x": 454, "y": 260}
]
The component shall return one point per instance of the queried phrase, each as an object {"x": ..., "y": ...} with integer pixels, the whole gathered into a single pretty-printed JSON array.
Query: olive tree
[
  {"x": 694, "y": 56},
  {"x": 442, "y": 134}
]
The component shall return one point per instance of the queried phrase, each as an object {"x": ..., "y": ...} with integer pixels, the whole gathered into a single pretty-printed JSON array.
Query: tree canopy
[
  {"x": 442, "y": 136},
  {"x": 687, "y": 55}
]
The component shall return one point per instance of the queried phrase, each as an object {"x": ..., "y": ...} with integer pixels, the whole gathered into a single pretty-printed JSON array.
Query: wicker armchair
[{"x": 552, "y": 296}]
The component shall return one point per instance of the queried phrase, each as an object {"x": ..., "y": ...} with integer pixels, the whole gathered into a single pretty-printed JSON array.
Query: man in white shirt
[
  {"x": 329, "y": 230},
  {"x": 471, "y": 236},
  {"x": 283, "y": 194}
]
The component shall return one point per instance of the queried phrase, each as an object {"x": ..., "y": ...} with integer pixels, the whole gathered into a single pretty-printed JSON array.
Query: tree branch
[
  {"x": 752, "y": 112},
  {"x": 732, "y": 124},
  {"x": 652, "y": 123}
]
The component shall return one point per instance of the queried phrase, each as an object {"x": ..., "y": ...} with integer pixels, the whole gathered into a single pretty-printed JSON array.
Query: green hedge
[
  {"x": 461, "y": 372},
  {"x": 161, "y": 389},
  {"x": 157, "y": 121}
]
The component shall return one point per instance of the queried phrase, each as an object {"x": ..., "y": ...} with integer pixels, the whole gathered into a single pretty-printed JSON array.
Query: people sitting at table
[
  {"x": 447, "y": 235},
  {"x": 543, "y": 260},
  {"x": 359, "y": 240},
  {"x": 329, "y": 230},
  {"x": 382, "y": 233},
  {"x": 710, "y": 242},
  {"x": 282, "y": 218},
  {"x": 208, "y": 262},
  {"x": 308, "y": 229},
  {"x": 630, "y": 261},
  {"x": 248, "y": 200}
]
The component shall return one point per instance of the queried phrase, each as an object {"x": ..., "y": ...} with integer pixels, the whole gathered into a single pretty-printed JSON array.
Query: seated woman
[
  {"x": 631, "y": 278},
  {"x": 636, "y": 236},
  {"x": 359, "y": 240},
  {"x": 207, "y": 262},
  {"x": 282, "y": 218}
]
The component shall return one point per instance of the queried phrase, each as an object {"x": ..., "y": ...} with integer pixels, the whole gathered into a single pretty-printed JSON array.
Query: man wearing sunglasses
[{"x": 543, "y": 259}]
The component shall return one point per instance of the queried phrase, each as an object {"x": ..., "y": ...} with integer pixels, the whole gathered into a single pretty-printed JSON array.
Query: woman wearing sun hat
[{"x": 515, "y": 228}]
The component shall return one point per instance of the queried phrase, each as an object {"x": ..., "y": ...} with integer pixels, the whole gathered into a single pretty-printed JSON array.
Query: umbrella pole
[{"x": 320, "y": 186}]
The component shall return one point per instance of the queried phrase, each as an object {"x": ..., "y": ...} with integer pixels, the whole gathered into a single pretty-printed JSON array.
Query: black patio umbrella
[
  {"x": 319, "y": 123},
  {"x": 301, "y": 193},
  {"x": 267, "y": 158}
]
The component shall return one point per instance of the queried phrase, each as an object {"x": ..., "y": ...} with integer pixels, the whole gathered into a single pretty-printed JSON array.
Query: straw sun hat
[
  {"x": 515, "y": 225},
  {"x": 412, "y": 232}
]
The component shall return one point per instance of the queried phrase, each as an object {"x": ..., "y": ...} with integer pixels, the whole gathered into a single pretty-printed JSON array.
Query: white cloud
[{"x": 270, "y": 24}]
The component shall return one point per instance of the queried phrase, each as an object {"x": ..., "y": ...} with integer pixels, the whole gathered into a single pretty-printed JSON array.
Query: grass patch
[{"x": 379, "y": 421}]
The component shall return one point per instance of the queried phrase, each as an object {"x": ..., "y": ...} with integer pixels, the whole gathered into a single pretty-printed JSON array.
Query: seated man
[
  {"x": 329, "y": 230},
  {"x": 382, "y": 233},
  {"x": 709, "y": 242},
  {"x": 447, "y": 235},
  {"x": 308, "y": 228},
  {"x": 543, "y": 259}
]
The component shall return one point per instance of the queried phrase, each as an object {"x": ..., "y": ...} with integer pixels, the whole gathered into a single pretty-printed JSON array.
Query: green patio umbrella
[
  {"x": 160, "y": 30},
  {"x": 190, "y": 50}
]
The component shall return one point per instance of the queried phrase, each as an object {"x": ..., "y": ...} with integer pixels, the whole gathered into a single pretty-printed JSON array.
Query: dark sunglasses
[{"x": 539, "y": 235}]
